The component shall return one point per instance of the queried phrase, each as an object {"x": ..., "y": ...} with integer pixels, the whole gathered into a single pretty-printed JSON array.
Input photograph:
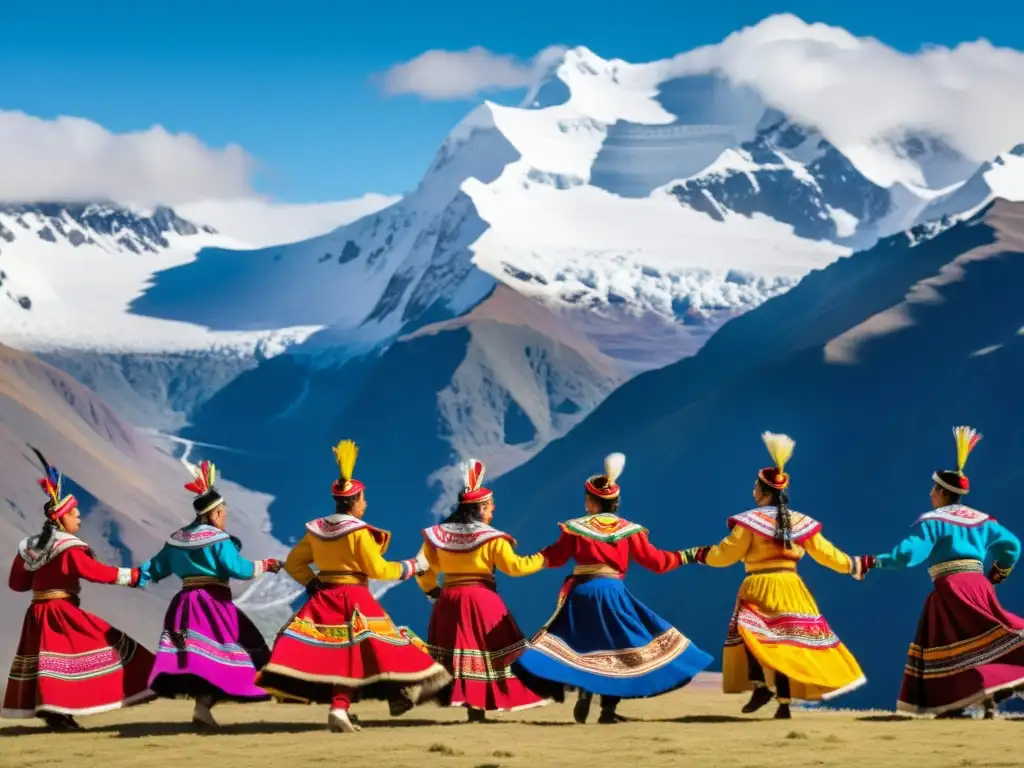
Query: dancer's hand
[
  {"x": 422, "y": 564},
  {"x": 433, "y": 594},
  {"x": 272, "y": 565},
  {"x": 313, "y": 586},
  {"x": 694, "y": 555},
  {"x": 860, "y": 565},
  {"x": 997, "y": 574}
]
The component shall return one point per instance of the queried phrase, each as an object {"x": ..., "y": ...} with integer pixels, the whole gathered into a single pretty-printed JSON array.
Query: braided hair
[
  {"x": 783, "y": 519},
  {"x": 50, "y": 527}
]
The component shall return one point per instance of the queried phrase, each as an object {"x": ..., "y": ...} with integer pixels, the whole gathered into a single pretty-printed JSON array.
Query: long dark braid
[
  {"x": 50, "y": 527},
  {"x": 783, "y": 521}
]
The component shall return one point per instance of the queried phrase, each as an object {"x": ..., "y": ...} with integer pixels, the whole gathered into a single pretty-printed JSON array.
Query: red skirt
[
  {"x": 70, "y": 662},
  {"x": 476, "y": 639},
  {"x": 966, "y": 650},
  {"x": 343, "y": 637}
]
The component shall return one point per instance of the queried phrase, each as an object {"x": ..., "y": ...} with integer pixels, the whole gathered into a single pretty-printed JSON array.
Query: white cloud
[
  {"x": 858, "y": 90},
  {"x": 454, "y": 75},
  {"x": 71, "y": 159}
]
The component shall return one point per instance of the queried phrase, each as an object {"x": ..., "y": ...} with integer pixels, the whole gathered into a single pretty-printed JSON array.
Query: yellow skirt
[{"x": 777, "y": 619}]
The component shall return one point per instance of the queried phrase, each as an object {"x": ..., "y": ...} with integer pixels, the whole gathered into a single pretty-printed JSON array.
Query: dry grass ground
[{"x": 694, "y": 727}]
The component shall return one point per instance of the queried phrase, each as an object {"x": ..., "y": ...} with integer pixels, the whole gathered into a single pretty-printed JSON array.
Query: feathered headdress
[
  {"x": 955, "y": 481},
  {"x": 207, "y": 498},
  {"x": 605, "y": 486},
  {"x": 473, "y": 491},
  {"x": 345, "y": 453},
  {"x": 780, "y": 448},
  {"x": 52, "y": 484}
]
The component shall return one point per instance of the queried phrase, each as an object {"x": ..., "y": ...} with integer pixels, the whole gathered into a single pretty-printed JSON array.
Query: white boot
[
  {"x": 201, "y": 715},
  {"x": 338, "y": 722}
]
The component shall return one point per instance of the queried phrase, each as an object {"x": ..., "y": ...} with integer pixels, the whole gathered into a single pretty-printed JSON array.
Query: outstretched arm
[
  {"x": 157, "y": 568},
  {"x": 1004, "y": 547},
  {"x": 827, "y": 554},
  {"x": 729, "y": 551},
  {"x": 508, "y": 562},
  {"x": 78, "y": 563},
  {"x": 230, "y": 562},
  {"x": 298, "y": 561},
  {"x": 910, "y": 552},
  {"x": 373, "y": 564},
  {"x": 650, "y": 557},
  {"x": 556, "y": 555}
]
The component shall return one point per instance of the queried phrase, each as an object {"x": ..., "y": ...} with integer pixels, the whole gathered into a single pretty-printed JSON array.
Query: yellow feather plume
[
  {"x": 345, "y": 454},
  {"x": 966, "y": 438},
  {"x": 780, "y": 447}
]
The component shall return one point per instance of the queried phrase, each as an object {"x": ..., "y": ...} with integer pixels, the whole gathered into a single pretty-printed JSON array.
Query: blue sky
[{"x": 296, "y": 89}]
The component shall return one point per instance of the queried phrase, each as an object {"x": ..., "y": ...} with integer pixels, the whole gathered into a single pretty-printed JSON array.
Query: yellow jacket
[
  {"x": 345, "y": 550},
  {"x": 752, "y": 542},
  {"x": 470, "y": 552}
]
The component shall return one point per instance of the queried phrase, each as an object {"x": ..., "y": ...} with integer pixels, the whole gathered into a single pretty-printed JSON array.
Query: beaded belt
[
  {"x": 42, "y": 595},
  {"x": 950, "y": 567},
  {"x": 342, "y": 577},
  {"x": 596, "y": 570},
  {"x": 194, "y": 582}
]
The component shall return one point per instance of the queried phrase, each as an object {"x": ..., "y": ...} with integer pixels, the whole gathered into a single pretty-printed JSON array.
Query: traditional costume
[
  {"x": 471, "y": 630},
  {"x": 69, "y": 662},
  {"x": 777, "y": 637},
  {"x": 968, "y": 649},
  {"x": 208, "y": 650},
  {"x": 342, "y": 643},
  {"x": 601, "y": 639}
]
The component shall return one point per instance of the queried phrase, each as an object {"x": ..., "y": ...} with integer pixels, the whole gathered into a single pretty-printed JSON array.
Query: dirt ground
[{"x": 695, "y": 727}]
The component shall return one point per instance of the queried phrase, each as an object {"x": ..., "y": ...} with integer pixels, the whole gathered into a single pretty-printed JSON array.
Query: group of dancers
[{"x": 342, "y": 646}]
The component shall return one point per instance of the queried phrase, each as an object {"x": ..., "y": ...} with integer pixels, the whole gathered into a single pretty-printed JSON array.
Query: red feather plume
[{"x": 202, "y": 482}]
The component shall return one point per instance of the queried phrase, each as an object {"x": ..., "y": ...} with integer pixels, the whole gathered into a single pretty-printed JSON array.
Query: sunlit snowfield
[{"x": 694, "y": 727}]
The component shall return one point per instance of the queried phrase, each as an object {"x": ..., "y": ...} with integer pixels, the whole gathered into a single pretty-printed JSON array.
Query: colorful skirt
[
  {"x": 343, "y": 637},
  {"x": 605, "y": 641},
  {"x": 70, "y": 662},
  {"x": 475, "y": 638},
  {"x": 967, "y": 648},
  {"x": 777, "y": 620},
  {"x": 208, "y": 647}
]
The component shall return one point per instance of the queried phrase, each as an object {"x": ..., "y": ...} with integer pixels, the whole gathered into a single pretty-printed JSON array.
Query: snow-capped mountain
[
  {"x": 867, "y": 365},
  {"x": 608, "y": 225}
]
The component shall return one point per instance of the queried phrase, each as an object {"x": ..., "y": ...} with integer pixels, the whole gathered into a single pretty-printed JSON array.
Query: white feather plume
[
  {"x": 780, "y": 447},
  {"x": 614, "y": 463}
]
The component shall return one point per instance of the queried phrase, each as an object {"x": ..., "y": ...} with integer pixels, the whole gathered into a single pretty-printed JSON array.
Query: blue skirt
[{"x": 605, "y": 641}]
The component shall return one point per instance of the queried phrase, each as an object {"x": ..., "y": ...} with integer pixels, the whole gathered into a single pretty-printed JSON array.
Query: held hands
[
  {"x": 272, "y": 565},
  {"x": 421, "y": 563},
  {"x": 694, "y": 555},
  {"x": 997, "y": 574},
  {"x": 433, "y": 594},
  {"x": 860, "y": 565}
]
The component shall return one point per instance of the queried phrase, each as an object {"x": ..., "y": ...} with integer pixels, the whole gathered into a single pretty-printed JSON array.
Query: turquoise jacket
[
  {"x": 200, "y": 550},
  {"x": 955, "y": 532}
]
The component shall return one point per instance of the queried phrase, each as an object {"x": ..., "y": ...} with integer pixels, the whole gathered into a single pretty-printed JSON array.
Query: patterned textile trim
[
  {"x": 606, "y": 528},
  {"x": 951, "y": 567},
  {"x": 408, "y": 569},
  {"x": 357, "y": 629},
  {"x": 197, "y": 582},
  {"x": 335, "y": 526},
  {"x": 42, "y": 595},
  {"x": 630, "y": 662},
  {"x": 190, "y": 641},
  {"x": 485, "y": 666},
  {"x": 74, "y": 667},
  {"x": 462, "y": 537},
  {"x": 36, "y": 559},
  {"x": 956, "y": 514},
  {"x": 930, "y": 663},
  {"x": 694, "y": 555},
  {"x": 762, "y": 522},
  {"x": 803, "y": 630},
  {"x": 124, "y": 577},
  {"x": 196, "y": 536}
]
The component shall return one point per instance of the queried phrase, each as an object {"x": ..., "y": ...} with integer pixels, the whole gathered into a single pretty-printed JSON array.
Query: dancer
[
  {"x": 69, "y": 663},
  {"x": 601, "y": 639},
  {"x": 471, "y": 630},
  {"x": 342, "y": 643},
  {"x": 778, "y": 637},
  {"x": 968, "y": 648},
  {"x": 208, "y": 650}
]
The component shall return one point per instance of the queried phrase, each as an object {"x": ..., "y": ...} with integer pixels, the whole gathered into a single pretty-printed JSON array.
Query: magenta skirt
[{"x": 967, "y": 648}]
